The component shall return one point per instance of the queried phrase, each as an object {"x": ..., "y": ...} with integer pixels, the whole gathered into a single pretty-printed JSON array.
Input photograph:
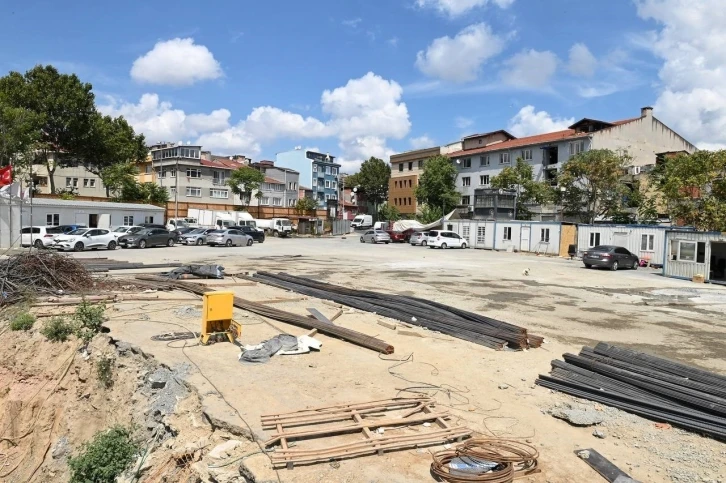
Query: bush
[
  {"x": 57, "y": 329},
  {"x": 104, "y": 370},
  {"x": 88, "y": 320},
  {"x": 105, "y": 457},
  {"x": 22, "y": 321}
]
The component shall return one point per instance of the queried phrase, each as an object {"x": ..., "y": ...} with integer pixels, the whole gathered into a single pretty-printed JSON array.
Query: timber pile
[
  {"x": 448, "y": 320},
  {"x": 649, "y": 386},
  {"x": 96, "y": 265}
]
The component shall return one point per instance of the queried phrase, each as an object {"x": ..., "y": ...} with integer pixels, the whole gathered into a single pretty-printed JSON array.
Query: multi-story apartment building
[
  {"x": 71, "y": 176},
  {"x": 280, "y": 188},
  {"x": 484, "y": 156},
  {"x": 318, "y": 170},
  {"x": 405, "y": 170}
]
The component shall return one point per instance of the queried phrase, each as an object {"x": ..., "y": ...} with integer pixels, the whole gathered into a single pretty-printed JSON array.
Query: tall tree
[
  {"x": 520, "y": 178},
  {"x": 389, "y": 212},
  {"x": 373, "y": 180},
  {"x": 591, "y": 184},
  {"x": 143, "y": 192},
  {"x": 119, "y": 177},
  {"x": 244, "y": 181},
  {"x": 65, "y": 105},
  {"x": 19, "y": 133},
  {"x": 437, "y": 184},
  {"x": 694, "y": 188}
]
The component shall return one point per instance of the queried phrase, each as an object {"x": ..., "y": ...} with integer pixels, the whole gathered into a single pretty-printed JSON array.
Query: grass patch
[
  {"x": 105, "y": 457},
  {"x": 88, "y": 320},
  {"x": 104, "y": 371},
  {"x": 57, "y": 329},
  {"x": 22, "y": 321}
]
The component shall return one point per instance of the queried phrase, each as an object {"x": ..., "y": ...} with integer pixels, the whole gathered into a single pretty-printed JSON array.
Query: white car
[
  {"x": 445, "y": 239},
  {"x": 39, "y": 236},
  {"x": 85, "y": 239},
  {"x": 126, "y": 230}
]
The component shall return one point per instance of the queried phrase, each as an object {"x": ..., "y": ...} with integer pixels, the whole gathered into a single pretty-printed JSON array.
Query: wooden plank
[
  {"x": 602, "y": 465},
  {"x": 336, "y": 315},
  {"x": 283, "y": 443},
  {"x": 439, "y": 421},
  {"x": 324, "y": 417},
  {"x": 387, "y": 325},
  {"x": 395, "y": 403},
  {"x": 279, "y": 300},
  {"x": 366, "y": 431}
]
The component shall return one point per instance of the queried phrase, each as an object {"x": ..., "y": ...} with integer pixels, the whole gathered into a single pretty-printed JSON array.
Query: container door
[
  {"x": 104, "y": 221},
  {"x": 524, "y": 239}
]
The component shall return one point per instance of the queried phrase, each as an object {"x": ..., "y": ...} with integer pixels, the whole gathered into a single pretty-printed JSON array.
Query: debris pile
[
  {"x": 448, "y": 320},
  {"x": 41, "y": 273},
  {"x": 649, "y": 386}
]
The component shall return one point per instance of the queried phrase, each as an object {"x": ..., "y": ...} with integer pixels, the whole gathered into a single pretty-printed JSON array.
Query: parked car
[
  {"x": 228, "y": 237},
  {"x": 375, "y": 236},
  {"x": 445, "y": 239},
  {"x": 610, "y": 256},
  {"x": 185, "y": 229},
  {"x": 396, "y": 236},
  {"x": 257, "y": 235},
  {"x": 176, "y": 233},
  {"x": 362, "y": 222},
  {"x": 197, "y": 236},
  {"x": 38, "y": 236},
  {"x": 85, "y": 239},
  {"x": 148, "y": 237},
  {"x": 419, "y": 238},
  {"x": 125, "y": 230}
]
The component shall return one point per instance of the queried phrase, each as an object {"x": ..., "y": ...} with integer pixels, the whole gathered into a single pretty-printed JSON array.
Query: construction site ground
[{"x": 491, "y": 392}]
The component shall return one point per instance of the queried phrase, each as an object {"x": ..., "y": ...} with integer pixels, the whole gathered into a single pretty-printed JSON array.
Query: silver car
[
  {"x": 419, "y": 238},
  {"x": 228, "y": 238},
  {"x": 198, "y": 236},
  {"x": 375, "y": 236}
]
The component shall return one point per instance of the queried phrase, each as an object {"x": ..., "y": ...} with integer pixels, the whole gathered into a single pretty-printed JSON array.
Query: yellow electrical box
[{"x": 217, "y": 320}]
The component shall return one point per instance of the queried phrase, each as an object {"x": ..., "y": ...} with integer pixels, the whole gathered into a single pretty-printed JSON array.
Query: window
[
  {"x": 466, "y": 163},
  {"x": 172, "y": 172},
  {"x": 264, "y": 201},
  {"x": 194, "y": 173},
  {"x": 315, "y": 168},
  {"x": 420, "y": 165},
  {"x": 172, "y": 190},
  {"x": 71, "y": 182},
  {"x": 148, "y": 219},
  {"x": 162, "y": 173},
  {"x": 276, "y": 201},
  {"x": 147, "y": 169},
  {"x": 465, "y": 231},
  {"x": 484, "y": 180},
  {"x": 278, "y": 187},
  {"x": 89, "y": 182},
  {"x": 576, "y": 147},
  {"x": 647, "y": 242},
  {"x": 291, "y": 202},
  {"x": 687, "y": 251},
  {"x": 466, "y": 181},
  {"x": 594, "y": 239},
  {"x": 195, "y": 192},
  {"x": 219, "y": 177},
  {"x": 395, "y": 184},
  {"x": 701, "y": 253},
  {"x": 219, "y": 193},
  {"x": 527, "y": 154},
  {"x": 507, "y": 233},
  {"x": 503, "y": 158},
  {"x": 400, "y": 166},
  {"x": 128, "y": 220},
  {"x": 410, "y": 166},
  {"x": 484, "y": 161},
  {"x": 466, "y": 200},
  {"x": 545, "y": 235},
  {"x": 292, "y": 185},
  {"x": 481, "y": 232},
  {"x": 409, "y": 201},
  {"x": 334, "y": 185},
  {"x": 327, "y": 183},
  {"x": 52, "y": 219}
]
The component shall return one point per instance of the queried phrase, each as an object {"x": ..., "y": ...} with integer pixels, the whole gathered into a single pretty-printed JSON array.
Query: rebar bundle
[{"x": 646, "y": 385}]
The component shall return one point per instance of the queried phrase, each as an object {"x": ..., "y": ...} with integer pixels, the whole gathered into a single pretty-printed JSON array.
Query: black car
[
  {"x": 611, "y": 257},
  {"x": 177, "y": 234},
  {"x": 148, "y": 237},
  {"x": 257, "y": 235}
]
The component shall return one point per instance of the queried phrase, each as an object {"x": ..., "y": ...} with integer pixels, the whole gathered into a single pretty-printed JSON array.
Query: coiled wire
[{"x": 516, "y": 460}]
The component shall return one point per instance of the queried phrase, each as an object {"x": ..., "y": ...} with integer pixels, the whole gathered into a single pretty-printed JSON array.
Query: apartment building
[
  {"x": 484, "y": 156},
  {"x": 281, "y": 187},
  {"x": 405, "y": 170},
  {"x": 318, "y": 170},
  {"x": 71, "y": 176}
]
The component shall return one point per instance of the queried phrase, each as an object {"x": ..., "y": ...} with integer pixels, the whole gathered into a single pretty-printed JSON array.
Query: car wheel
[
  {"x": 362, "y": 240},
  {"x": 250, "y": 242},
  {"x": 262, "y": 240},
  {"x": 463, "y": 245},
  {"x": 614, "y": 266},
  {"x": 229, "y": 243},
  {"x": 170, "y": 243},
  {"x": 200, "y": 241},
  {"x": 443, "y": 246},
  {"x": 636, "y": 264},
  {"x": 38, "y": 244},
  {"x": 587, "y": 265},
  {"x": 386, "y": 243},
  {"x": 142, "y": 244},
  {"x": 423, "y": 243},
  {"x": 78, "y": 247},
  {"x": 111, "y": 245},
  {"x": 275, "y": 233}
]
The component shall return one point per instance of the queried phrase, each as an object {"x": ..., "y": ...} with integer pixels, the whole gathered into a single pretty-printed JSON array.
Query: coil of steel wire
[{"x": 516, "y": 460}]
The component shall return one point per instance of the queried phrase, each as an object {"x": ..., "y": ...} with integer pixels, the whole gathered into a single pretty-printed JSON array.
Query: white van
[{"x": 362, "y": 222}]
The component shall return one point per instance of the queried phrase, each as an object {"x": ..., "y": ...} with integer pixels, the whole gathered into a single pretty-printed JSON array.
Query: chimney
[{"x": 646, "y": 111}]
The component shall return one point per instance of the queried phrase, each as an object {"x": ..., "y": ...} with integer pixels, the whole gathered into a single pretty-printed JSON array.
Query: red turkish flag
[{"x": 6, "y": 175}]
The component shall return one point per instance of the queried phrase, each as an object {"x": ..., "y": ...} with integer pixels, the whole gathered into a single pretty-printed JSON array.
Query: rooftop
[
  {"x": 221, "y": 163},
  {"x": 106, "y": 205}
]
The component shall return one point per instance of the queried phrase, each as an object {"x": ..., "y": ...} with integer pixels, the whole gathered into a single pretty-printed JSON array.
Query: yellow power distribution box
[{"x": 217, "y": 320}]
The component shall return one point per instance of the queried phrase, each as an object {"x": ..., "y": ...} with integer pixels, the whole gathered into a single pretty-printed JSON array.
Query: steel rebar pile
[
  {"x": 448, "y": 320},
  {"x": 646, "y": 385},
  {"x": 41, "y": 273}
]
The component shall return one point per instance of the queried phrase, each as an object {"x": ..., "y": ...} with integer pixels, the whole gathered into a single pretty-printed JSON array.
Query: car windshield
[
  {"x": 285, "y": 222},
  {"x": 217, "y": 231},
  {"x": 121, "y": 229},
  {"x": 80, "y": 231},
  {"x": 198, "y": 231}
]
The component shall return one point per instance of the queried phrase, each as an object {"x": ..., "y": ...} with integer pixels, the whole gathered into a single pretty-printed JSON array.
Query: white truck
[
  {"x": 362, "y": 222},
  {"x": 221, "y": 219},
  {"x": 176, "y": 223},
  {"x": 276, "y": 226}
]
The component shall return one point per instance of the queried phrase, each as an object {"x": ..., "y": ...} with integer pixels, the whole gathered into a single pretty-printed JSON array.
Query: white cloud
[
  {"x": 463, "y": 122},
  {"x": 455, "y": 8},
  {"x": 528, "y": 122},
  {"x": 690, "y": 42},
  {"x": 530, "y": 69},
  {"x": 176, "y": 62},
  {"x": 352, "y": 23},
  {"x": 422, "y": 142},
  {"x": 393, "y": 41},
  {"x": 459, "y": 59},
  {"x": 362, "y": 115},
  {"x": 581, "y": 62}
]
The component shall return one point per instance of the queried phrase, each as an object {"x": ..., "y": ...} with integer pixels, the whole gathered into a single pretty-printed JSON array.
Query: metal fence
[
  {"x": 9, "y": 223},
  {"x": 340, "y": 227}
]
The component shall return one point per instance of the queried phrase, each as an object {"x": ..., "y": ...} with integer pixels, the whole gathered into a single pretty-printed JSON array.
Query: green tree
[
  {"x": 373, "y": 180},
  {"x": 19, "y": 133},
  {"x": 591, "y": 185},
  {"x": 305, "y": 205},
  {"x": 693, "y": 187},
  {"x": 648, "y": 211},
  {"x": 437, "y": 184},
  {"x": 520, "y": 178},
  {"x": 143, "y": 192},
  {"x": 243, "y": 181},
  {"x": 117, "y": 177},
  {"x": 389, "y": 213},
  {"x": 61, "y": 103},
  {"x": 429, "y": 214}
]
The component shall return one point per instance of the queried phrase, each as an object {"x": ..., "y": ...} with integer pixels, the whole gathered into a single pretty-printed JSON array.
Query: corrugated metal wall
[
  {"x": 9, "y": 223},
  {"x": 647, "y": 242},
  {"x": 674, "y": 267}
]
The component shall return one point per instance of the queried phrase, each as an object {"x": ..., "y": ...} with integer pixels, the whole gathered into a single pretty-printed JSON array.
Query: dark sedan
[
  {"x": 611, "y": 257},
  {"x": 257, "y": 235},
  {"x": 177, "y": 234},
  {"x": 148, "y": 237}
]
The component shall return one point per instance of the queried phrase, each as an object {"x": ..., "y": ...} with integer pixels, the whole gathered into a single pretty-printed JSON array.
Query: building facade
[
  {"x": 405, "y": 171},
  {"x": 280, "y": 188},
  {"x": 484, "y": 156},
  {"x": 317, "y": 170},
  {"x": 70, "y": 177}
]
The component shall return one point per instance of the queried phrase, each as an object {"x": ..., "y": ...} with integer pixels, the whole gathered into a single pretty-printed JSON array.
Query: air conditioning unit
[{"x": 635, "y": 170}]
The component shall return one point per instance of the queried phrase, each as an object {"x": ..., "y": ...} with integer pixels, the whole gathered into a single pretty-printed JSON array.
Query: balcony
[{"x": 219, "y": 182}]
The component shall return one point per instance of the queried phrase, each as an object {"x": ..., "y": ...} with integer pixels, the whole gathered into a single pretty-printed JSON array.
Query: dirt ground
[{"x": 491, "y": 392}]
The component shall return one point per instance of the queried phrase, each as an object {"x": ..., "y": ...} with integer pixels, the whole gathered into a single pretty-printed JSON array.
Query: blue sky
[{"x": 360, "y": 78}]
